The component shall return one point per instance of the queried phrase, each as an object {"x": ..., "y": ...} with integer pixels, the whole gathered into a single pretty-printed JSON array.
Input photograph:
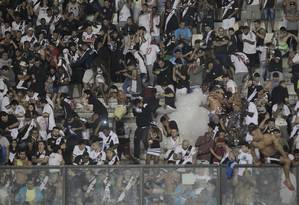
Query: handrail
[{"x": 139, "y": 166}]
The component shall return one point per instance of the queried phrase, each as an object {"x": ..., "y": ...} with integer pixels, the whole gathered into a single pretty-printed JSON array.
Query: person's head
[
  {"x": 89, "y": 29},
  {"x": 4, "y": 56},
  {"x": 275, "y": 76},
  {"x": 3, "y": 116},
  {"x": 41, "y": 145},
  {"x": 144, "y": 7},
  {"x": 55, "y": 132},
  {"x": 34, "y": 133},
  {"x": 110, "y": 153},
  {"x": 22, "y": 155},
  {"x": 130, "y": 20},
  {"x": 85, "y": 157},
  {"x": 138, "y": 103},
  {"x": 81, "y": 144},
  {"x": 257, "y": 24},
  {"x": 30, "y": 184},
  {"x": 185, "y": 144},
  {"x": 254, "y": 130},
  {"x": 87, "y": 93},
  {"x": 283, "y": 31},
  {"x": 106, "y": 4},
  {"x": 161, "y": 63},
  {"x": 95, "y": 145},
  {"x": 182, "y": 24},
  {"x": 246, "y": 30},
  {"x": 14, "y": 104},
  {"x": 231, "y": 31},
  {"x": 106, "y": 130},
  {"x": 43, "y": 21},
  {"x": 30, "y": 31},
  {"x": 220, "y": 31},
  {"x": 178, "y": 53},
  {"x": 174, "y": 133},
  {"x": 164, "y": 119}
]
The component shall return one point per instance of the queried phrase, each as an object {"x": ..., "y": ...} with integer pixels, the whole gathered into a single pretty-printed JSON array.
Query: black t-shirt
[
  {"x": 270, "y": 4},
  {"x": 169, "y": 100},
  {"x": 11, "y": 120},
  {"x": 220, "y": 49},
  {"x": 107, "y": 13},
  {"x": 55, "y": 143},
  {"x": 98, "y": 107},
  {"x": 164, "y": 75},
  {"x": 229, "y": 7}
]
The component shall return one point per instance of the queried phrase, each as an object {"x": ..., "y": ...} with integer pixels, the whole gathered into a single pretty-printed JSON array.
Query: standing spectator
[
  {"x": 268, "y": 13},
  {"x": 183, "y": 33},
  {"x": 229, "y": 12},
  {"x": 249, "y": 48},
  {"x": 143, "y": 116}
]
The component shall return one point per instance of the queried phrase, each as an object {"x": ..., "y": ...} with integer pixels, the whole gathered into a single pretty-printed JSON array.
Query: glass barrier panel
[
  {"x": 259, "y": 185},
  {"x": 25, "y": 186},
  {"x": 180, "y": 186},
  {"x": 103, "y": 186}
]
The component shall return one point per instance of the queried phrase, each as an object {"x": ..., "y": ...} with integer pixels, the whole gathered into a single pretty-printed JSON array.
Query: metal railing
[{"x": 145, "y": 185}]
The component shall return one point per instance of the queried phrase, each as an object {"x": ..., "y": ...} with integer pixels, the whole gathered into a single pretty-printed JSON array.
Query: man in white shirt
[
  {"x": 109, "y": 139},
  {"x": 80, "y": 149},
  {"x": 251, "y": 114},
  {"x": 240, "y": 61},
  {"x": 151, "y": 57},
  {"x": 29, "y": 37},
  {"x": 145, "y": 18},
  {"x": 185, "y": 153},
  {"x": 97, "y": 155},
  {"x": 48, "y": 108},
  {"x": 249, "y": 47},
  {"x": 230, "y": 85}
]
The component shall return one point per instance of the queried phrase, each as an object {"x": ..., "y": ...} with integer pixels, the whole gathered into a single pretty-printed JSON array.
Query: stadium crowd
[{"x": 61, "y": 58}]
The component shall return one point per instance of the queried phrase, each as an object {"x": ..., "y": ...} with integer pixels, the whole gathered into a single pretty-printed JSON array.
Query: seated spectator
[{"x": 183, "y": 33}]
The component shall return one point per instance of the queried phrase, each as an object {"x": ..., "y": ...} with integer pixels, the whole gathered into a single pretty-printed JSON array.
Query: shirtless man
[
  {"x": 269, "y": 146},
  {"x": 214, "y": 104}
]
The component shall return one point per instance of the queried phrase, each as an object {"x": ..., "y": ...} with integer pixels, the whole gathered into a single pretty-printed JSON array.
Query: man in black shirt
[
  {"x": 143, "y": 115},
  {"x": 163, "y": 72},
  {"x": 98, "y": 107},
  {"x": 8, "y": 123}
]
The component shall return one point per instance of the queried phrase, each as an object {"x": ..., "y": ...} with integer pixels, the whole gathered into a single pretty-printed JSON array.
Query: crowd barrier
[{"x": 146, "y": 185}]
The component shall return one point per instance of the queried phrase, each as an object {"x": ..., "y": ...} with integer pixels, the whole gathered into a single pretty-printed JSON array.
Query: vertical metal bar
[
  {"x": 219, "y": 185},
  {"x": 141, "y": 194},
  {"x": 297, "y": 183},
  {"x": 64, "y": 179}
]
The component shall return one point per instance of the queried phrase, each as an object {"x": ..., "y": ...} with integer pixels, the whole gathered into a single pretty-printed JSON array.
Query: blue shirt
[{"x": 183, "y": 33}]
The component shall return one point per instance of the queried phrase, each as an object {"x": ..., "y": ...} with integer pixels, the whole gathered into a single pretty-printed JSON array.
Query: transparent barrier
[
  {"x": 93, "y": 186},
  {"x": 257, "y": 185},
  {"x": 141, "y": 185},
  {"x": 180, "y": 186},
  {"x": 31, "y": 186}
]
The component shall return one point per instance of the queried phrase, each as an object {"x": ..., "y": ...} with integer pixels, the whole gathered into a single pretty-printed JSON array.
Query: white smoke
[{"x": 192, "y": 119}]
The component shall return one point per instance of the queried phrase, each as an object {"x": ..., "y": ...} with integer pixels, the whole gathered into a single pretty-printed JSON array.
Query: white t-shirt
[
  {"x": 187, "y": 154},
  {"x": 77, "y": 151},
  {"x": 156, "y": 28},
  {"x": 98, "y": 156},
  {"x": 151, "y": 55},
  {"x": 124, "y": 13},
  {"x": 249, "y": 48},
  {"x": 28, "y": 38},
  {"x": 55, "y": 159},
  {"x": 285, "y": 110},
  {"x": 18, "y": 26},
  {"x": 112, "y": 138},
  {"x": 254, "y": 119},
  {"x": 144, "y": 20},
  {"x": 239, "y": 60},
  {"x": 295, "y": 59}
]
